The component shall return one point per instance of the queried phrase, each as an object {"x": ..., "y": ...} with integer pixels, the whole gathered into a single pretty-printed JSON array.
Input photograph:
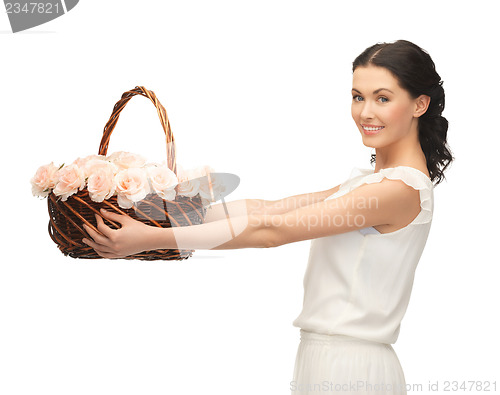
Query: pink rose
[
  {"x": 163, "y": 181},
  {"x": 189, "y": 184},
  {"x": 81, "y": 162},
  {"x": 94, "y": 165},
  {"x": 211, "y": 188},
  {"x": 126, "y": 160},
  {"x": 44, "y": 180},
  {"x": 132, "y": 186},
  {"x": 71, "y": 179},
  {"x": 101, "y": 185}
]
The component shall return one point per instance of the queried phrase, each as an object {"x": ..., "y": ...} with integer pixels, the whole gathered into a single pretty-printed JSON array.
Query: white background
[{"x": 260, "y": 89}]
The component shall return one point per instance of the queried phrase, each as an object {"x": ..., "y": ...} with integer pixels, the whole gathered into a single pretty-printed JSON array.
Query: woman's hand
[{"x": 133, "y": 236}]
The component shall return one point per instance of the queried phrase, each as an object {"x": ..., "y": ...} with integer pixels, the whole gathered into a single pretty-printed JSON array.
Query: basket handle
[{"x": 162, "y": 114}]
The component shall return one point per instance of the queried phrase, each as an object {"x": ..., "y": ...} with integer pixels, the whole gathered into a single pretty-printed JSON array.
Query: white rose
[
  {"x": 189, "y": 183},
  {"x": 45, "y": 179},
  {"x": 131, "y": 186},
  {"x": 71, "y": 179},
  {"x": 189, "y": 188},
  {"x": 101, "y": 185},
  {"x": 81, "y": 162},
  {"x": 163, "y": 181},
  {"x": 94, "y": 165},
  {"x": 211, "y": 188},
  {"x": 126, "y": 160}
]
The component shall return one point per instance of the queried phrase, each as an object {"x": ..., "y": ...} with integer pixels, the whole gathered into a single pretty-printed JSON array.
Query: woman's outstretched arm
[
  {"x": 237, "y": 208},
  {"x": 242, "y": 227},
  {"x": 386, "y": 202},
  {"x": 135, "y": 236}
]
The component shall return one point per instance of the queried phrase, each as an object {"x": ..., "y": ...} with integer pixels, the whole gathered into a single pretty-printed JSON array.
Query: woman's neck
[{"x": 407, "y": 152}]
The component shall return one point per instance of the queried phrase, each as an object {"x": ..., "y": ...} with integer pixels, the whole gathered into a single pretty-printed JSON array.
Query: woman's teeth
[{"x": 372, "y": 129}]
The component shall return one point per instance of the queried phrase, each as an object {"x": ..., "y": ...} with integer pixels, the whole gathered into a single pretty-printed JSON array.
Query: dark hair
[{"x": 416, "y": 73}]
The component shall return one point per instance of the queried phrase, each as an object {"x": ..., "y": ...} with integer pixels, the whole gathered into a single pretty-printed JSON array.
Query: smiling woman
[
  {"x": 387, "y": 116},
  {"x": 398, "y": 77},
  {"x": 367, "y": 234}
]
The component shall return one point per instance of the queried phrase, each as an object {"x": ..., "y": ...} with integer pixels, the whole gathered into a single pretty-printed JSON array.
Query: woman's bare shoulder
[{"x": 402, "y": 203}]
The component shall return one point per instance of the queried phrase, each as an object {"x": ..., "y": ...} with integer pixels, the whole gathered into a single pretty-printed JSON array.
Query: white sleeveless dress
[{"x": 357, "y": 287}]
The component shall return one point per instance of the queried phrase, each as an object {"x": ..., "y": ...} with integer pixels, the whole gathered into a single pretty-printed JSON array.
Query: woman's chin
[{"x": 371, "y": 142}]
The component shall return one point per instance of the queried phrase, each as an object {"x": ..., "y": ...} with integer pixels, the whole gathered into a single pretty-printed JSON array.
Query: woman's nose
[{"x": 367, "y": 111}]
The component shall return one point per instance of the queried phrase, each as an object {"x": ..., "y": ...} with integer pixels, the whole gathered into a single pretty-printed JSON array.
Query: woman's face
[{"x": 383, "y": 111}]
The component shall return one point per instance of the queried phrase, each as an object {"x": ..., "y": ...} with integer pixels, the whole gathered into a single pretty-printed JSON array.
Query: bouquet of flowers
[{"x": 127, "y": 176}]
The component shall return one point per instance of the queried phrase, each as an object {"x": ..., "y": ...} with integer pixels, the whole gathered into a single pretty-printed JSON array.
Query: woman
[{"x": 367, "y": 233}]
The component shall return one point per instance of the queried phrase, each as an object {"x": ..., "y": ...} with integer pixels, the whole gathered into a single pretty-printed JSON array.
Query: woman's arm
[
  {"x": 248, "y": 207},
  {"x": 386, "y": 202},
  {"x": 135, "y": 236}
]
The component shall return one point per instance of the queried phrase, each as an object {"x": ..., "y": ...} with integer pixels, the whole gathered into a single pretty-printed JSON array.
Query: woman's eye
[
  {"x": 384, "y": 99},
  {"x": 357, "y": 98}
]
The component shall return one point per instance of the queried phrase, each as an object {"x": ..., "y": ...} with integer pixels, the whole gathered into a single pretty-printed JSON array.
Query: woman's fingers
[
  {"x": 103, "y": 228},
  {"x": 115, "y": 243},
  {"x": 99, "y": 248},
  {"x": 114, "y": 217},
  {"x": 103, "y": 240},
  {"x": 98, "y": 237}
]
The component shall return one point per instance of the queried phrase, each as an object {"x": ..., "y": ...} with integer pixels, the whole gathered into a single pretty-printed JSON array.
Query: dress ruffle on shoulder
[
  {"x": 409, "y": 175},
  {"x": 356, "y": 174}
]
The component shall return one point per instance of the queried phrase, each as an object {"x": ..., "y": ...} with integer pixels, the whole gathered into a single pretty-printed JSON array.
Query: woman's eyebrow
[{"x": 376, "y": 91}]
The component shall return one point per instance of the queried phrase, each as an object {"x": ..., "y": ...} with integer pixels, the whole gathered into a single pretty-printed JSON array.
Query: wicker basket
[{"x": 67, "y": 217}]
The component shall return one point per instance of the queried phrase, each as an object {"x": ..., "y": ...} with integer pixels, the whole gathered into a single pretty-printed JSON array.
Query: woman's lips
[{"x": 371, "y": 129}]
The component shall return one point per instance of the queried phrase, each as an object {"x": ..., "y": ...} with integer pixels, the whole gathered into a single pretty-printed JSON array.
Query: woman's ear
[{"x": 421, "y": 105}]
